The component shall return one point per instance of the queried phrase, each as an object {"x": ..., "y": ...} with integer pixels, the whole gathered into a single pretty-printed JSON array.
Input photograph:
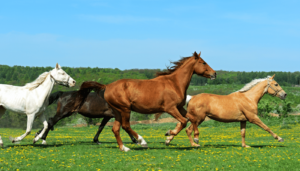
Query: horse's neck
[
  {"x": 257, "y": 92},
  {"x": 45, "y": 89},
  {"x": 183, "y": 75}
]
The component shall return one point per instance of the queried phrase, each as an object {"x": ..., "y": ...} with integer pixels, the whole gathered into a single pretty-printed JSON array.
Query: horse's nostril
[{"x": 74, "y": 82}]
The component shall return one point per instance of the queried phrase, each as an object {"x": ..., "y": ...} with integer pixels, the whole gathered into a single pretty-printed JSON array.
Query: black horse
[{"x": 94, "y": 106}]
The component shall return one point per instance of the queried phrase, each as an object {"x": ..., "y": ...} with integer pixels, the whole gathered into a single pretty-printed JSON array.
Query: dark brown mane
[{"x": 177, "y": 64}]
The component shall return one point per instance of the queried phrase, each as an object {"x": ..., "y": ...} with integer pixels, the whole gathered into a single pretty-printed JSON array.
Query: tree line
[{"x": 20, "y": 75}]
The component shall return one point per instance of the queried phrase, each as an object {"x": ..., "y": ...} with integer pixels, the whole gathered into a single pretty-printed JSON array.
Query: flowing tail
[
  {"x": 85, "y": 88},
  {"x": 188, "y": 98}
]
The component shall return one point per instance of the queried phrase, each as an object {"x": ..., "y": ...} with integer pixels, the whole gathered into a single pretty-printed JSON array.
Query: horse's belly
[
  {"x": 146, "y": 109},
  {"x": 228, "y": 117}
]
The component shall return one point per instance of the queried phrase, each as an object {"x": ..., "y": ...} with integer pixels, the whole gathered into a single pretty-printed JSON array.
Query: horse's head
[
  {"x": 275, "y": 89},
  {"x": 202, "y": 68},
  {"x": 61, "y": 77}
]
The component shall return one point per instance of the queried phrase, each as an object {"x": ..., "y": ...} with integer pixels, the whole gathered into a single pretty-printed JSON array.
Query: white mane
[
  {"x": 252, "y": 84},
  {"x": 37, "y": 81}
]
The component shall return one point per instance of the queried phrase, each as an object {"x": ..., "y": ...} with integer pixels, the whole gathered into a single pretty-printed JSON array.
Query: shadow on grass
[{"x": 171, "y": 146}]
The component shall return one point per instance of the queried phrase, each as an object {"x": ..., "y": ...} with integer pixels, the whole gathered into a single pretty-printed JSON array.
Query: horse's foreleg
[
  {"x": 2, "y": 111},
  {"x": 243, "y": 132},
  {"x": 179, "y": 116},
  {"x": 45, "y": 123},
  {"x": 258, "y": 122},
  {"x": 30, "y": 119},
  {"x": 52, "y": 121},
  {"x": 102, "y": 125}
]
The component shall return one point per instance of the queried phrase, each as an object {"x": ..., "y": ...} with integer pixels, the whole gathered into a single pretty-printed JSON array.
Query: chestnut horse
[
  {"x": 165, "y": 93},
  {"x": 240, "y": 106}
]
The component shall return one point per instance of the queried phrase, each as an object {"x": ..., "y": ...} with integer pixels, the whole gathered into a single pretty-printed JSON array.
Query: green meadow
[{"x": 71, "y": 148}]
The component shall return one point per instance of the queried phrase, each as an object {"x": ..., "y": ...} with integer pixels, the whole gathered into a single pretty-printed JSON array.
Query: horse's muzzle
[{"x": 213, "y": 76}]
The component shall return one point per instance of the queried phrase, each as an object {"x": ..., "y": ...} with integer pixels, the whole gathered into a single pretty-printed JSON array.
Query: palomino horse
[
  {"x": 32, "y": 99},
  {"x": 240, "y": 106},
  {"x": 93, "y": 107},
  {"x": 165, "y": 93}
]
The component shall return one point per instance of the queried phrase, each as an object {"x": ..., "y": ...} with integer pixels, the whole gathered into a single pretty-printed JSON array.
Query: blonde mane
[
  {"x": 252, "y": 84},
  {"x": 37, "y": 81}
]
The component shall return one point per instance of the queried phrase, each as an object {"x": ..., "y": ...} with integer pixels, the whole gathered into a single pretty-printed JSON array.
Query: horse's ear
[
  {"x": 57, "y": 66},
  {"x": 196, "y": 55},
  {"x": 273, "y": 77},
  {"x": 200, "y": 54}
]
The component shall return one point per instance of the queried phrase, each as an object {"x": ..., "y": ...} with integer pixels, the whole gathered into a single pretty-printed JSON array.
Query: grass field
[{"x": 72, "y": 149}]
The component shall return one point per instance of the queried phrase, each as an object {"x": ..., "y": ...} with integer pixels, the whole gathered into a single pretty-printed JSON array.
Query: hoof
[
  {"x": 196, "y": 140},
  {"x": 97, "y": 142},
  {"x": 195, "y": 145},
  {"x": 247, "y": 146},
  {"x": 44, "y": 142},
  {"x": 167, "y": 142},
  {"x": 125, "y": 149},
  {"x": 144, "y": 145},
  {"x": 1, "y": 145},
  {"x": 281, "y": 140},
  {"x": 168, "y": 133}
]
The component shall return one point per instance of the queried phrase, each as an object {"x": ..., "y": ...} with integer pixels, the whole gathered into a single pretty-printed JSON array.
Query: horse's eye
[
  {"x": 276, "y": 84},
  {"x": 204, "y": 63},
  {"x": 63, "y": 73}
]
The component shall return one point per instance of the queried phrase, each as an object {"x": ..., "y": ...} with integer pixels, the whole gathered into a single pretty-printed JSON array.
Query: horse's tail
[
  {"x": 188, "y": 98},
  {"x": 85, "y": 88},
  {"x": 54, "y": 96},
  {"x": 157, "y": 115}
]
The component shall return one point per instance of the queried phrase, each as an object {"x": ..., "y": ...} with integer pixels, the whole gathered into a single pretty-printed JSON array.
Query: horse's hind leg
[
  {"x": 2, "y": 111},
  {"x": 116, "y": 130},
  {"x": 243, "y": 132},
  {"x": 128, "y": 129},
  {"x": 102, "y": 125}
]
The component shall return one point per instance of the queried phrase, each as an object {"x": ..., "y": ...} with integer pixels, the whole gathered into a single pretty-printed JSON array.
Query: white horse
[{"x": 32, "y": 99}]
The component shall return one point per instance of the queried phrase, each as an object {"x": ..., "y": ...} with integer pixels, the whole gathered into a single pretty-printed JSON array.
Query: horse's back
[{"x": 13, "y": 98}]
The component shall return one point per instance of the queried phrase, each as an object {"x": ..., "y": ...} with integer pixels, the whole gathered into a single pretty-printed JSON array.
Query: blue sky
[{"x": 232, "y": 35}]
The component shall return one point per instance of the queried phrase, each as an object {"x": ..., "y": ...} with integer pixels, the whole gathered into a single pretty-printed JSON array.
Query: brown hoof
[
  {"x": 168, "y": 133},
  {"x": 167, "y": 142},
  {"x": 281, "y": 140}
]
